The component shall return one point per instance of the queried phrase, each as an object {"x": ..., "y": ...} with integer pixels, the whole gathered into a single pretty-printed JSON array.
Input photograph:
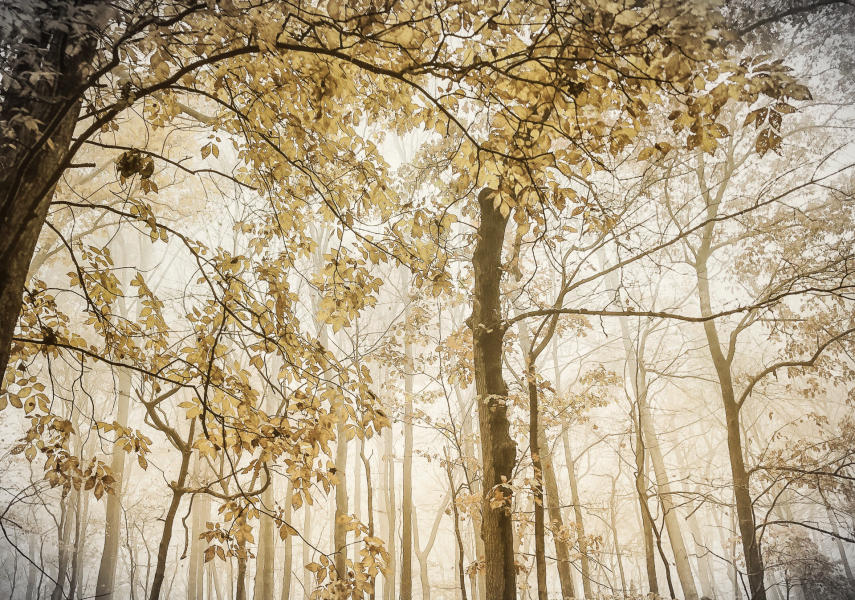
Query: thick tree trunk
[
  {"x": 113, "y": 523},
  {"x": 265, "y": 560},
  {"x": 499, "y": 450},
  {"x": 31, "y": 162},
  {"x": 553, "y": 503},
  {"x": 406, "y": 592}
]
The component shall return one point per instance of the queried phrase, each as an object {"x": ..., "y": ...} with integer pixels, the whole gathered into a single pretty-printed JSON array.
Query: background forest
[{"x": 399, "y": 299}]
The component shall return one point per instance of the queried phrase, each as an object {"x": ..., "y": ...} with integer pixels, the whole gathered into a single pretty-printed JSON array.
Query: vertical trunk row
[{"x": 499, "y": 450}]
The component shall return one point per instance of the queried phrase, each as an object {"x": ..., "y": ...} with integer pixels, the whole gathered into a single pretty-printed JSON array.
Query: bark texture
[{"x": 499, "y": 450}]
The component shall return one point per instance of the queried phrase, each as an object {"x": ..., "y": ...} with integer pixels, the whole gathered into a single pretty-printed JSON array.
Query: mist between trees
[{"x": 395, "y": 299}]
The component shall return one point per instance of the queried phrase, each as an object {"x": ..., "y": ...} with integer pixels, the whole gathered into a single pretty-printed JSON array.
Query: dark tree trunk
[
  {"x": 499, "y": 450},
  {"x": 32, "y": 162}
]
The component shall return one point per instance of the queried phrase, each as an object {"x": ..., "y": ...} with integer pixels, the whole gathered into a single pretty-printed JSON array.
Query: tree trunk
[
  {"x": 166, "y": 537},
  {"x": 741, "y": 484},
  {"x": 406, "y": 592},
  {"x": 264, "y": 562},
  {"x": 646, "y": 520},
  {"x": 499, "y": 450},
  {"x": 553, "y": 503},
  {"x": 288, "y": 554},
  {"x": 369, "y": 498},
  {"x": 30, "y": 167},
  {"x": 453, "y": 491},
  {"x": 637, "y": 375},
  {"x": 389, "y": 472},
  {"x": 577, "y": 509},
  {"x": 196, "y": 574},
  {"x": 472, "y": 451},
  {"x": 113, "y": 523},
  {"x": 423, "y": 554}
]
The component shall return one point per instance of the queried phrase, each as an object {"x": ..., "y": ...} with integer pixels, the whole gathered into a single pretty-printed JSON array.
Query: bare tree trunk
[
  {"x": 369, "y": 498},
  {"x": 240, "y": 588},
  {"x": 423, "y": 554},
  {"x": 264, "y": 562},
  {"x": 166, "y": 536},
  {"x": 472, "y": 451},
  {"x": 406, "y": 592},
  {"x": 113, "y": 524},
  {"x": 288, "y": 554},
  {"x": 196, "y": 574},
  {"x": 81, "y": 516},
  {"x": 64, "y": 532},
  {"x": 389, "y": 472},
  {"x": 553, "y": 502},
  {"x": 577, "y": 509},
  {"x": 498, "y": 449},
  {"x": 453, "y": 490},
  {"x": 615, "y": 540},
  {"x": 722, "y": 362},
  {"x": 637, "y": 375},
  {"x": 646, "y": 520},
  {"x": 32, "y": 570}
]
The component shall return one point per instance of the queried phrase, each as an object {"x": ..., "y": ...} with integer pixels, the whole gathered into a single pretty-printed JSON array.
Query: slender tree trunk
[
  {"x": 32, "y": 571},
  {"x": 577, "y": 510},
  {"x": 389, "y": 460},
  {"x": 638, "y": 379},
  {"x": 201, "y": 514},
  {"x": 288, "y": 554},
  {"x": 553, "y": 503},
  {"x": 69, "y": 501},
  {"x": 113, "y": 524},
  {"x": 369, "y": 498},
  {"x": 81, "y": 518},
  {"x": 537, "y": 488},
  {"x": 423, "y": 554},
  {"x": 722, "y": 364},
  {"x": 166, "y": 536},
  {"x": 453, "y": 490},
  {"x": 615, "y": 540},
  {"x": 406, "y": 592},
  {"x": 702, "y": 555},
  {"x": 498, "y": 449},
  {"x": 472, "y": 450},
  {"x": 646, "y": 520}
]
